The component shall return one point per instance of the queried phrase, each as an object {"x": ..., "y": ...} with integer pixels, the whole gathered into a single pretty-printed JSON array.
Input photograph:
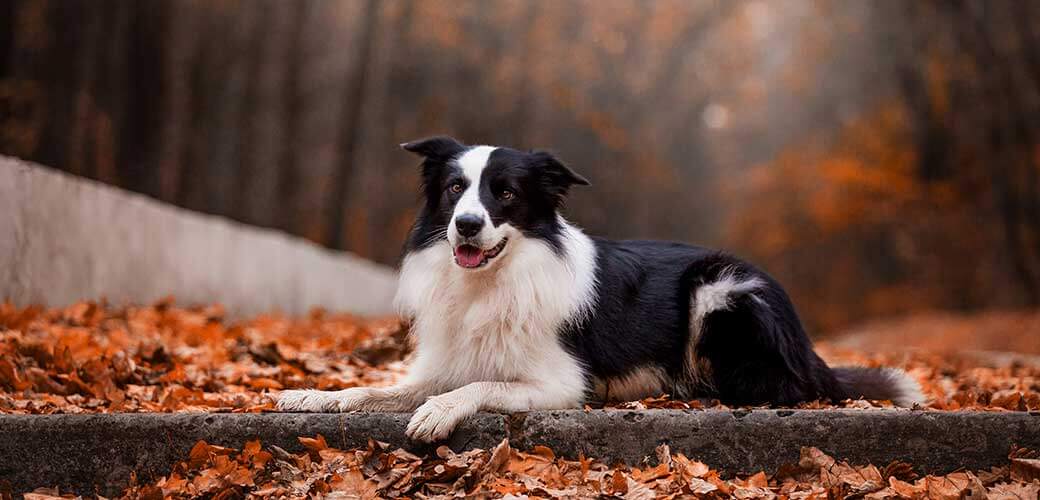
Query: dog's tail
[{"x": 892, "y": 384}]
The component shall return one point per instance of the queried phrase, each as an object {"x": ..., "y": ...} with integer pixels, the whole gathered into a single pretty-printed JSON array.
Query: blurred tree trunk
[
  {"x": 292, "y": 64},
  {"x": 1011, "y": 139},
  {"x": 968, "y": 72},
  {"x": 350, "y": 124}
]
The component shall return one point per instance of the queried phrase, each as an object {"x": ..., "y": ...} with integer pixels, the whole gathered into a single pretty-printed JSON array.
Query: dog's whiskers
[{"x": 441, "y": 234}]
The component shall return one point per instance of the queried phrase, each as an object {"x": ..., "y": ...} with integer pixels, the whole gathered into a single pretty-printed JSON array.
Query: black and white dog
[{"x": 514, "y": 309}]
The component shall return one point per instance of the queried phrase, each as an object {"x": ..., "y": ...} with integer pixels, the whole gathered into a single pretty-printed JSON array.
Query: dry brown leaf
[
  {"x": 315, "y": 444},
  {"x": 199, "y": 455},
  {"x": 651, "y": 474},
  {"x": 1014, "y": 491},
  {"x": 618, "y": 482},
  {"x": 43, "y": 494},
  {"x": 265, "y": 383},
  {"x": 881, "y": 494},
  {"x": 352, "y": 484},
  {"x": 758, "y": 480},
  {"x": 544, "y": 452},
  {"x": 663, "y": 454},
  {"x": 953, "y": 486},
  {"x": 701, "y": 487},
  {"x": 753, "y": 492},
  {"x": 908, "y": 490},
  {"x": 1025, "y": 469},
  {"x": 637, "y": 491},
  {"x": 499, "y": 457},
  {"x": 690, "y": 468},
  {"x": 813, "y": 458}
]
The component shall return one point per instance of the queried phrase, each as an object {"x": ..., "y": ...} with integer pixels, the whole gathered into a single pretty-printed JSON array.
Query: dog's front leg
[
  {"x": 404, "y": 397},
  {"x": 439, "y": 415}
]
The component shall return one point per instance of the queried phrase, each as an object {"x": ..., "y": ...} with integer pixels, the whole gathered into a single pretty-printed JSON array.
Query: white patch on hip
[
  {"x": 710, "y": 297},
  {"x": 715, "y": 296}
]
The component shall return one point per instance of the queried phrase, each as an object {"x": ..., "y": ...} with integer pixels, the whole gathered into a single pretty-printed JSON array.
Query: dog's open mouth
[{"x": 472, "y": 257}]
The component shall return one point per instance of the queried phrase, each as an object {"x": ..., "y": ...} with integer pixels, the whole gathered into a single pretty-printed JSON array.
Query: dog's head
[{"x": 481, "y": 198}]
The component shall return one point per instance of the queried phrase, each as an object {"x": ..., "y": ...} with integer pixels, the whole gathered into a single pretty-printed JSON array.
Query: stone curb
[{"x": 97, "y": 453}]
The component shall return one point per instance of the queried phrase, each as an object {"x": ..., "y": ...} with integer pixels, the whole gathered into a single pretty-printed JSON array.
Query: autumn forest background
[{"x": 879, "y": 158}]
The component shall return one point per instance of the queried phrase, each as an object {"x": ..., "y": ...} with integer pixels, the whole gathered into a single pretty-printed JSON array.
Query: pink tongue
[{"x": 469, "y": 256}]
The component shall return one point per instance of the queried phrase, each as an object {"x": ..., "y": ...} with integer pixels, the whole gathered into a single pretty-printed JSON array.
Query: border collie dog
[{"x": 513, "y": 308}]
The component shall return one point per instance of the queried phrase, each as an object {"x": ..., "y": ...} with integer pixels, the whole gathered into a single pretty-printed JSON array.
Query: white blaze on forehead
[
  {"x": 474, "y": 160},
  {"x": 472, "y": 163}
]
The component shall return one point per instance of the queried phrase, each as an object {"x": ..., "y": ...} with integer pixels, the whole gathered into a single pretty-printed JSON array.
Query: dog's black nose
[{"x": 469, "y": 225}]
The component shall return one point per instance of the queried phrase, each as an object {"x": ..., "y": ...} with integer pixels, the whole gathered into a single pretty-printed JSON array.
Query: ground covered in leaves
[
  {"x": 90, "y": 357},
  {"x": 380, "y": 472}
]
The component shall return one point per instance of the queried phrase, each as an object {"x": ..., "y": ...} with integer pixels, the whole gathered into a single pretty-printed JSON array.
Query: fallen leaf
[
  {"x": 1025, "y": 469},
  {"x": 314, "y": 444},
  {"x": 352, "y": 484}
]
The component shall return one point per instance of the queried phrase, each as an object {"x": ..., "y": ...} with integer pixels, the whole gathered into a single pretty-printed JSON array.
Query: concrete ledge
[
  {"x": 66, "y": 239},
  {"x": 749, "y": 441},
  {"x": 84, "y": 452}
]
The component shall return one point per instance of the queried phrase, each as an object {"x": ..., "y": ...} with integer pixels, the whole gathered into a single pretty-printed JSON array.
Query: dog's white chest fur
[{"x": 499, "y": 324}]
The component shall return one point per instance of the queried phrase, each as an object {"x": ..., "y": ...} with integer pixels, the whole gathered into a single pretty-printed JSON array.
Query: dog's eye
[
  {"x": 456, "y": 187},
  {"x": 506, "y": 194}
]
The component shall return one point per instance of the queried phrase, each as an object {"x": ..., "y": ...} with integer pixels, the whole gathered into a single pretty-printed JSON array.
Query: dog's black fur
[{"x": 755, "y": 352}]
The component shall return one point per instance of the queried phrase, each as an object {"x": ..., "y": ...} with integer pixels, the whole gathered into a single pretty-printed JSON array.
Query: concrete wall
[{"x": 64, "y": 238}]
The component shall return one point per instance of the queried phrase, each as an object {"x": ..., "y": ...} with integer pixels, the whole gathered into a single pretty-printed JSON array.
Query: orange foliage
[
  {"x": 380, "y": 472},
  {"x": 89, "y": 357},
  {"x": 854, "y": 231}
]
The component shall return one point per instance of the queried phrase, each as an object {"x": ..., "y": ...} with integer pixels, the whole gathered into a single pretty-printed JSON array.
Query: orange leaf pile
[
  {"x": 380, "y": 472},
  {"x": 89, "y": 357}
]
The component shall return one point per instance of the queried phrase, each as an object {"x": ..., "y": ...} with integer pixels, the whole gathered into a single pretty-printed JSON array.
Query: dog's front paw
[
  {"x": 438, "y": 416},
  {"x": 321, "y": 401},
  {"x": 307, "y": 401}
]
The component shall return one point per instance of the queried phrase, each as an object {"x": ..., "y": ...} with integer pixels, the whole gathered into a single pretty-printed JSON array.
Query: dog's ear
[
  {"x": 556, "y": 177},
  {"x": 440, "y": 148}
]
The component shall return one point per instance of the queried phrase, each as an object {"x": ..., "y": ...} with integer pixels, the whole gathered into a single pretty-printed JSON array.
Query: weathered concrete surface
[
  {"x": 742, "y": 441},
  {"x": 88, "y": 453},
  {"x": 64, "y": 238},
  {"x": 84, "y": 452}
]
